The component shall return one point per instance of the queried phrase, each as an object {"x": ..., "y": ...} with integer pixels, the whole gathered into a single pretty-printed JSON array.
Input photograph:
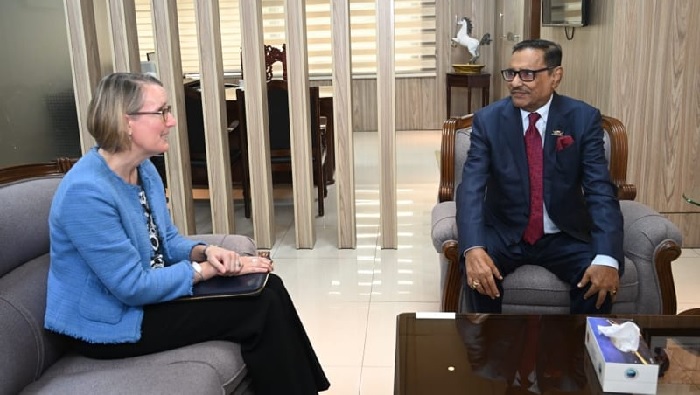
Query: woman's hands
[{"x": 223, "y": 262}]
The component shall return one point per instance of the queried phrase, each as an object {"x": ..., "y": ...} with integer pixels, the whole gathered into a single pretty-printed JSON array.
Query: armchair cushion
[
  {"x": 543, "y": 290},
  {"x": 206, "y": 367}
]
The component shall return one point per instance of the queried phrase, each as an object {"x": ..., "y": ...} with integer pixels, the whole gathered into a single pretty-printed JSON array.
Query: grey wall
[{"x": 38, "y": 120}]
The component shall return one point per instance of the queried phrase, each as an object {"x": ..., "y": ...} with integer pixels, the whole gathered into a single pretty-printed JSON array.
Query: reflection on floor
[{"x": 349, "y": 299}]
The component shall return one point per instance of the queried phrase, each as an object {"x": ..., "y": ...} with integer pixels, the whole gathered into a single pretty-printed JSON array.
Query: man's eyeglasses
[
  {"x": 162, "y": 112},
  {"x": 524, "y": 74}
]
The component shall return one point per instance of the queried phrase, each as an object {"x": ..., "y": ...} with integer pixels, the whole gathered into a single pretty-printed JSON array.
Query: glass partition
[{"x": 38, "y": 118}]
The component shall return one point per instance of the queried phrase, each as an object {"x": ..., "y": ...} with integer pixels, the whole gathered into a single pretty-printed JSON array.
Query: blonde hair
[{"x": 116, "y": 95}]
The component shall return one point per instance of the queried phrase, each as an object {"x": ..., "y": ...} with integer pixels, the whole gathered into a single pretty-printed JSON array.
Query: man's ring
[
  {"x": 613, "y": 292},
  {"x": 475, "y": 284}
]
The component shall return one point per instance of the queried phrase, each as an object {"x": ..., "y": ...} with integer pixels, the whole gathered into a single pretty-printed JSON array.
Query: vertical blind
[{"x": 414, "y": 34}]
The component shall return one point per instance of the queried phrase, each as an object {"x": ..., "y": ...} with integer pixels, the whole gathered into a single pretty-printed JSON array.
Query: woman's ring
[{"x": 475, "y": 284}]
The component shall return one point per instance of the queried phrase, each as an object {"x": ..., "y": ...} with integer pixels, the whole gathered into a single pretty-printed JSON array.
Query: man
[{"x": 536, "y": 189}]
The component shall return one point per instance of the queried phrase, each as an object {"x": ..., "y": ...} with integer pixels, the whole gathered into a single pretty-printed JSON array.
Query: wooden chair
[
  {"x": 651, "y": 241},
  {"x": 272, "y": 56},
  {"x": 197, "y": 146},
  {"x": 279, "y": 129}
]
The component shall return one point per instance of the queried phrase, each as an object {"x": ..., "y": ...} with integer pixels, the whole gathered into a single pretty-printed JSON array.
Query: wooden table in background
[
  {"x": 469, "y": 81},
  {"x": 326, "y": 103}
]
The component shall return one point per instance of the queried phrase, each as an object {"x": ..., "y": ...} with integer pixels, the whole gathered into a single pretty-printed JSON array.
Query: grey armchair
[
  {"x": 36, "y": 361},
  {"x": 651, "y": 241}
]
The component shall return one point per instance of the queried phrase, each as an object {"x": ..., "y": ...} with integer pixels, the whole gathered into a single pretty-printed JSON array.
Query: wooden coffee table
[{"x": 478, "y": 354}]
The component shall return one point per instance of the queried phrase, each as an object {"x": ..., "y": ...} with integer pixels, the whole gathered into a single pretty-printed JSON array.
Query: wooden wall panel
[
  {"x": 300, "y": 124},
  {"x": 214, "y": 112},
  {"x": 417, "y": 106},
  {"x": 429, "y": 106},
  {"x": 587, "y": 58},
  {"x": 508, "y": 14},
  {"x": 343, "y": 124},
  {"x": 125, "y": 43},
  {"x": 364, "y": 104},
  {"x": 640, "y": 62},
  {"x": 484, "y": 14},
  {"x": 85, "y": 60},
  {"x": 445, "y": 29},
  {"x": 177, "y": 158},
  {"x": 386, "y": 111},
  {"x": 257, "y": 122},
  {"x": 688, "y": 224},
  {"x": 656, "y": 96},
  {"x": 412, "y": 103}
]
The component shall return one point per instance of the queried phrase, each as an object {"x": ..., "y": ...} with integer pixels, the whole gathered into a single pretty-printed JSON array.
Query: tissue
[
  {"x": 625, "y": 336},
  {"x": 631, "y": 371}
]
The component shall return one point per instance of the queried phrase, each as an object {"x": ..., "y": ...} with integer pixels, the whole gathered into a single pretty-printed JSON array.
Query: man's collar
[{"x": 543, "y": 111}]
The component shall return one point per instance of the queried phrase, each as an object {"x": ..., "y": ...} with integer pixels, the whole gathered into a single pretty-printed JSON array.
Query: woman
[{"x": 116, "y": 256}]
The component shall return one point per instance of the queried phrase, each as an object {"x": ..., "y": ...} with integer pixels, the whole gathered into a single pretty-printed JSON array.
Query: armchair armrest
[
  {"x": 651, "y": 237},
  {"x": 444, "y": 235},
  {"x": 443, "y": 224},
  {"x": 617, "y": 134}
]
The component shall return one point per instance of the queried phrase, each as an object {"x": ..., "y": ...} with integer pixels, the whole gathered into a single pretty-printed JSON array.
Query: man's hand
[
  {"x": 603, "y": 279},
  {"x": 481, "y": 272}
]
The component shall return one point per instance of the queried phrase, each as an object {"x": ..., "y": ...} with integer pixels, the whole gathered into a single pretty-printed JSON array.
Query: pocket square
[{"x": 563, "y": 142}]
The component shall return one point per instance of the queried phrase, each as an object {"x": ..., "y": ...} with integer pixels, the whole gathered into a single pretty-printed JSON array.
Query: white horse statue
[{"x": 472, "y": 44}]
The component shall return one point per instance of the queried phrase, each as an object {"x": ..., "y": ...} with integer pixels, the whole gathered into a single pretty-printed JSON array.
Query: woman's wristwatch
[{"x": 197, "y": 270}]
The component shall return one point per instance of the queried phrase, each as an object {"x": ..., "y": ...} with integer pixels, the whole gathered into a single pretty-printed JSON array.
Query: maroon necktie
[{"x": 533, "y": 147}]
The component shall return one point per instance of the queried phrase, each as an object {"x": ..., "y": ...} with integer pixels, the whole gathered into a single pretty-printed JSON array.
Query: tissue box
[{"x": 619, "y": 371}]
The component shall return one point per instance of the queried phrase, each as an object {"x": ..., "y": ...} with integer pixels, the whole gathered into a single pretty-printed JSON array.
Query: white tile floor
[{"x": 349, "y": 299}]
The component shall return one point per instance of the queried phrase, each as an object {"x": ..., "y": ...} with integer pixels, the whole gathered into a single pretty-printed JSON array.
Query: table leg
[
  {"x": 449, "y": 100},
  {"x": 327, "y": 111},
  {"x": 469, "y": 100}
]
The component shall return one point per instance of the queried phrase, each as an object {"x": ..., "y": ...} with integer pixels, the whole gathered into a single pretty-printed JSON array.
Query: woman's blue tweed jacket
[{"x": 100, "y": 274}]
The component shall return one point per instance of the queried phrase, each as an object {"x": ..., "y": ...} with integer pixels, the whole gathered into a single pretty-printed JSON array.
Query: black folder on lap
[{"x": 225, "y": 287}]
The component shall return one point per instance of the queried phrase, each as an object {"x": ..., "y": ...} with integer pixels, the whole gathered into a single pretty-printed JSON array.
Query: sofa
[
  {"x": 35, "y": 361},
  {"x": 651, "y": 241}
]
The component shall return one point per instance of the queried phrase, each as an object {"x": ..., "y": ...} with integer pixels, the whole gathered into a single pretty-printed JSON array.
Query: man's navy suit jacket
[{"x": 578, "y": 194}]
